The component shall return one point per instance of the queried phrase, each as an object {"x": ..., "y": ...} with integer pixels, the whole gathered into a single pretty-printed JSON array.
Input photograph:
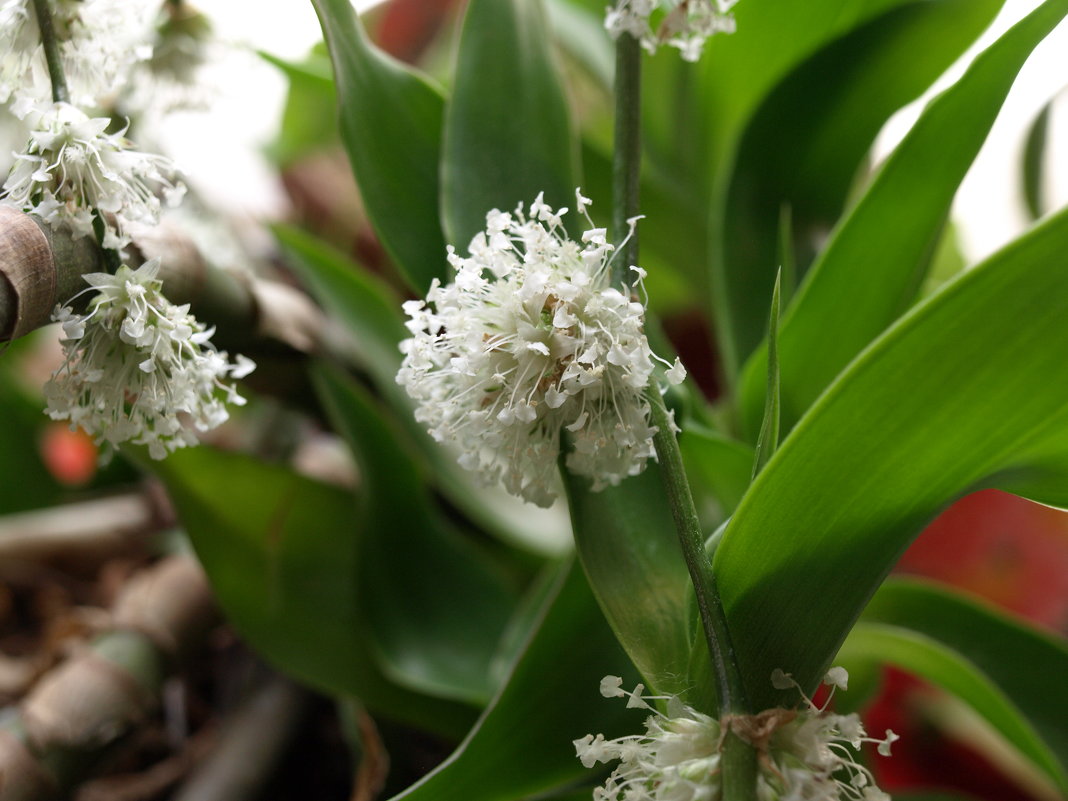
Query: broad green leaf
[
  {"x": 282, "y": 555},
  {"x": 1033, "y": 174},
  {"x": 959, "y": 391},
  {"x": 522, "y": 745},
  {"x": 805, "y": 142},
  {"x": 373, "y": 319},
  {"x": 391, "y": 125},
  {"x": 873, "y": 267},
  {"x": 1004, "y": 669},
  {"x": 507, "y": 129},
  {"x": 436, "y": 605},
  {"x": 625, "y": 538}
]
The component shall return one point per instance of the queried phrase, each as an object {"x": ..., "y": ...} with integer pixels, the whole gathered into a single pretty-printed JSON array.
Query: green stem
[
  {"x": 627, "y": 152},
  {"x": 739, "y": 757},
  {"x": 692, "y": 540},
  {"x": 51, "y": 50}
]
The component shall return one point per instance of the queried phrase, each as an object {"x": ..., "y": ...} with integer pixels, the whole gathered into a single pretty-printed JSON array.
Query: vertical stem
[
  {"x": 627, "y": 152},
  {"x": 691, "y": 539},
  {"x": 51, "y": 50},
  {"x": 739, "y": 757}
]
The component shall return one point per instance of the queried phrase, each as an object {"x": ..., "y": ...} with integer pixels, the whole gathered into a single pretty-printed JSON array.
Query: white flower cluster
[
  {"x": 686, "y": 25},
  {"x": 100, "y": 40},
  {"x": 805, "y": 755},
  {"x": 530, "y": 338},
  {"x": 72, "y": 169},
  {"x": 136, "y": 364}
]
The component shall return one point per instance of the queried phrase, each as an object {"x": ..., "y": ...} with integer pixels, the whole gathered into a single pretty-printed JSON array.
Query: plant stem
[
  {"x": 51, "y": 50},
  {"x": 692, "y": 540},
  {"x": 739, "y": 757},
  {"x": 627, "y": 152}
]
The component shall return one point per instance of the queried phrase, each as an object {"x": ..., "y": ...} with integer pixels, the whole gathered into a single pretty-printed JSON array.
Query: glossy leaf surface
[
  {"x": 874, "y": 264},
  {"x": 391, "y": 123},
  {"x": 507, "y": 128},
  {"x": 950, "y": 397}
]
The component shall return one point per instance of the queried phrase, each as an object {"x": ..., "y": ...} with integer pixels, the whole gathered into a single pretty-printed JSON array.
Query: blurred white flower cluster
[
  {"x": 99, "y": 43},
  {"x": 137, "y": 367},
  {"x": 803, "y": 755},
  {"x": 686, "y": 25},
  {"x": 528, "y": 340},
  {"x": 136, "y": 364},
  {"x": 73, "y": 170}
]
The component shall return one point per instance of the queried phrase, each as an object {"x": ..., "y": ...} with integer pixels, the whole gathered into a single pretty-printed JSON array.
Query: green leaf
[
  {"x": 1034, "y": 162},
  {"x": 625, "y": 537},
  {"x": 412, "y": 561},
  {"x": 507, "y": 129},
  {"x": 1004, "y": 669},
  {"x": 282, "y": 556},
  {"x": 391, "y": 125},
  {"x": 522, "y": 746},
  {"x": 366, "y": 306},
  {"x": 768, "y": 440},
  {"x": 310, "y": 112},
  {"x": 948, "y": 399},
  {"x": 804, "y": 144},
  {"x": 873, "y": 267}
]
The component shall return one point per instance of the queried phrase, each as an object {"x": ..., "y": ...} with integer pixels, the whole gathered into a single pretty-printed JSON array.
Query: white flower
[
  {"x": 99, "y": 41},
  {"x": 686, "y": 25},
  {"x": 805, "y": 755},
  {"x": 136, "y": 365},
  {"x": 530, "y": 338},
  {"x": 677, "y": 757},
  {"x": 72, "y": 169}
]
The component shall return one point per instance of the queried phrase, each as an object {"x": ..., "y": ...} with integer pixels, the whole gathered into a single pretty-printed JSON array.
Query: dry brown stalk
[{"x": 87, "y": 703}]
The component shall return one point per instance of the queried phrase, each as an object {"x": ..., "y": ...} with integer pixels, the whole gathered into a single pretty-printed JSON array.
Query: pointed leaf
[
  {"x": 507, "y": 129},
  {"x": 391, "y": 122},
  {"x": 805, "y": 143},
  {"x": 768, "y": 440},
  {"x": 953, "y": 395},
  {"x": 873, "y": 266}
]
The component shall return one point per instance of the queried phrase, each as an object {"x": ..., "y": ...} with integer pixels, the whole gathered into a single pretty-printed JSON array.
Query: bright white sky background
[{"x": 988, "y": 207}]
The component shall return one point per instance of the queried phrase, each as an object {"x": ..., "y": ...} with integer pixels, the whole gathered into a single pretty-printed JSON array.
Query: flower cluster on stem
[
  {"x": 686, "y": 24},
  {"x": 139, "y": 368},
  {"x": 528, "y": 340},
  {"x": 73, "y": 171},
  {"x": 99, "y": 41},
  {"x": 804, "y": 755}
]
